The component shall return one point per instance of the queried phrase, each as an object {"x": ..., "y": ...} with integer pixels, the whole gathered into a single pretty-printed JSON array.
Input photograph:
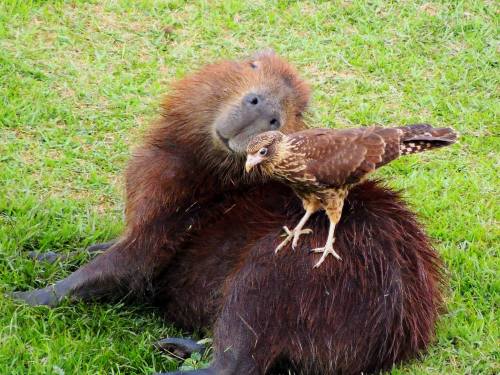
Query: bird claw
[
  {"x": 325, "y": 250},
  {"x": 288, "y": 232},
  {"x": 291, "y": 234},
  {"x": 297, "y": 234},
  {"x": 282, "y": 244}
]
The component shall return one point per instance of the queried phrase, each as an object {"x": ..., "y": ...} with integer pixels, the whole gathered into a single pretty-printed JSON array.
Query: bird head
[{"x": 263, "y": 150}]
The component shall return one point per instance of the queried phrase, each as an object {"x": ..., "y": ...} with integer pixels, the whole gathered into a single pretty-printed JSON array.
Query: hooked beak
[{"x": 252, "y": 161}]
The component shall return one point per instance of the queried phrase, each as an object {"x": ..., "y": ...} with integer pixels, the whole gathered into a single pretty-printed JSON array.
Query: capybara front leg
[
  {"x": 52, "y": 256},
  {"x": 118, "y": 271}
]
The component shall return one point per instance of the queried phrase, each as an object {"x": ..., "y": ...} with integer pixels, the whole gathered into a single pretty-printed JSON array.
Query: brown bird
[{"x": 321, "y": 165}]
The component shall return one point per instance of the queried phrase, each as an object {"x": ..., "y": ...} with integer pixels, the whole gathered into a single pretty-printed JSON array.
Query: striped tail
[{"x": 423, "y": 137}]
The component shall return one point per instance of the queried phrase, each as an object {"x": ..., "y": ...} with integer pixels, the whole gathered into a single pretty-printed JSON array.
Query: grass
[{"x": 80, "y": 81}]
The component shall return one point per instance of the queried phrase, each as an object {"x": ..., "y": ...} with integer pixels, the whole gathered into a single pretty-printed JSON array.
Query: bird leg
[
  {"x": 328, "y": 248},
  {"x": 296, "y": 232},
  {"x": 334, "y": 211}
]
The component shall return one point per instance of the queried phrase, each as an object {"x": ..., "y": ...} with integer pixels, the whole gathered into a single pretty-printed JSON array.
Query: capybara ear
[
  {"x": 266, "y": 52},
  {"x": 260, "y": 55}
]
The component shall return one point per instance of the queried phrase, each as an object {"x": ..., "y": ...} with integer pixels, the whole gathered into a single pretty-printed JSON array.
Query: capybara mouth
[{"x": 223, "y": 139}]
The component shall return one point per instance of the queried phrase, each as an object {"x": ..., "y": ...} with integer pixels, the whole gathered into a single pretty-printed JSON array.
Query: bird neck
[{"x": 286, "y": 160}]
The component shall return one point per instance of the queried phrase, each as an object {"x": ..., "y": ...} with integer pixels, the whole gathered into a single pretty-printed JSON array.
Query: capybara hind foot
[
  {"x": 179, "y": 347},
  {"x": 205, "y": 371}
]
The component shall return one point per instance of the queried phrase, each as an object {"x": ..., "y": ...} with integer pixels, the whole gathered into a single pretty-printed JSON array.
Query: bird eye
[{"x": 263, "y": 151}]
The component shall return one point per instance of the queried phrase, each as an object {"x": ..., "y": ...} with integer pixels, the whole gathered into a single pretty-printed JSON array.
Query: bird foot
[
  {"x": 297, "y": 234},
  {"x": 328, "y": 249},
  {"x": 292, "y": 235}
]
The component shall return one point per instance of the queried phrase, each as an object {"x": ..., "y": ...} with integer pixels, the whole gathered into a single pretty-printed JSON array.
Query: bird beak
[{"x": 252, "y": 161}]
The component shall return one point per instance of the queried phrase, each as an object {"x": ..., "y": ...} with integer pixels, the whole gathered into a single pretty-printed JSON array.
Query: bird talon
[
  {"x": 297, "y": 234},
  {"x": 282, "y": 244},
  {"x": 287, "y": 233},
  {"x": 288, "y": 236},
  {"x": 291, "y": 235},
  {"x": 325, "y": 250}
]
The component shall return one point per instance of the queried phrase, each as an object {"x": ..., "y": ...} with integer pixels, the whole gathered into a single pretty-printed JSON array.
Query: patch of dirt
[{"x": 430, "y": 9}]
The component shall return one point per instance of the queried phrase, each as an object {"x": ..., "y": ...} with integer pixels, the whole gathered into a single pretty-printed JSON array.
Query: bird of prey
[{"x": 321, "y": 165}]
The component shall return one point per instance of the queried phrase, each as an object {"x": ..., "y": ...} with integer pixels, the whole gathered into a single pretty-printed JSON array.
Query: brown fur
[
  {"x": 200, "y": 236},
  {"x": 376, "y": 307}
]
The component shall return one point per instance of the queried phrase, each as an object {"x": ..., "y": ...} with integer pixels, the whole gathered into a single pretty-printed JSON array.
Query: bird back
[{"x": 335, "y": 157}]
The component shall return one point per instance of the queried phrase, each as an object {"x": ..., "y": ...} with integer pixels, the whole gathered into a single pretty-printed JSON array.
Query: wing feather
[{"x": 339, "y": 157}]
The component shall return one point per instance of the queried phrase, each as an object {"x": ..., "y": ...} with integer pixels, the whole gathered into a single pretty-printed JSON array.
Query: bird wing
[{"x": 339, "y": 157}]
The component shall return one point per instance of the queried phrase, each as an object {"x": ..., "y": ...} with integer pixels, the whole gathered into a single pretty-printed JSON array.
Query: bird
[{"x": 322, "y": 165}]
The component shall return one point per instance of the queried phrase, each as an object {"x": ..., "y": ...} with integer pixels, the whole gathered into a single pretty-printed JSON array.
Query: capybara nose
[
  {"x": 264, "y": 108},
  {"x": 253, "y": 100},
  {"x": 275, "y": 123}
]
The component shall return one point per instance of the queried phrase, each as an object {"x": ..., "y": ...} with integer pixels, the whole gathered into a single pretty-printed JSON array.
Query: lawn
[{"x": 80, "y": 81}]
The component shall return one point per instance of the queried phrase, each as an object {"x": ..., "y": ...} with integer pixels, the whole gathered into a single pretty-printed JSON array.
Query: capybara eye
[{"x": 254, "y": 64}]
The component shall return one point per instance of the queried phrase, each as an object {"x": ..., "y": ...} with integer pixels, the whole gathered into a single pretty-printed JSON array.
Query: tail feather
[{"x": 423, "y": 137}]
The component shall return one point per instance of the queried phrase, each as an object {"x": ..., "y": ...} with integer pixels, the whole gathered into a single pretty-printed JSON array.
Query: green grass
[{"x": 80, "y": 81}]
